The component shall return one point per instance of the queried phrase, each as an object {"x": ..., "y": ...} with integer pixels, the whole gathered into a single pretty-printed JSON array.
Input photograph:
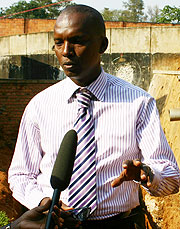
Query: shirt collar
[
  {"x": 97, "y": 87},
  {"x": 70, "y": 88}
]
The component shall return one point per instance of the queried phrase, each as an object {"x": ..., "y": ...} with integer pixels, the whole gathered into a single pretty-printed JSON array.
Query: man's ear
[{"x": 104, "y": 45}]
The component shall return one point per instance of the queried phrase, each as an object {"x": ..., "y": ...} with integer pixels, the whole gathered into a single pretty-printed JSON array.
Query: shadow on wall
[
  {"x": 132, "y": 67},
  {"x": 34, "y": 69},
  {"x": 161, "y": 103}
]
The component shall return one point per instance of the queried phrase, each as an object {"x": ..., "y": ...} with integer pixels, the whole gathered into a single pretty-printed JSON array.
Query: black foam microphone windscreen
[
  {"x": 62, "y": 170},
  {"x": 63, "y": 167}
]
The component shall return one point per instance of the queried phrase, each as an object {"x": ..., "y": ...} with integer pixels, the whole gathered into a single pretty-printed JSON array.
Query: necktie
[{"x": 82, "y": 189}]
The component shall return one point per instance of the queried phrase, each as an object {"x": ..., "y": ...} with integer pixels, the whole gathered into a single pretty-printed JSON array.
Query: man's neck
[{"x": 86, "y": 80}]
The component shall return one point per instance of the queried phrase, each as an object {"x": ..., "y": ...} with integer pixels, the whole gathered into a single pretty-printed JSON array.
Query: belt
[
  {"x": 121, "y": 215},
  {"x": 105, "y": 222}
]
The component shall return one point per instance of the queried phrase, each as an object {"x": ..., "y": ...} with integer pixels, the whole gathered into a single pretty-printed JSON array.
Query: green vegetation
[
  {"x": 3, "y": 219},
  {"x": 50, "y": 12},
  {"x": 169, "y": 15},
  {"x": 133, "y": 12}
]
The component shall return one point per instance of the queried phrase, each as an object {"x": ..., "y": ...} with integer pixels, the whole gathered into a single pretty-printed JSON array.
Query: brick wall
[
  {"x": 14, "y": 96},
  {"x": 120, "y": 24},
  {"x": 11, "y": 27},
  {"x": 20, "y": 26}
]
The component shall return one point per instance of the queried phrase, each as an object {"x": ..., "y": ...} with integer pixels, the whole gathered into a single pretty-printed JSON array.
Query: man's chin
[{"x": 72, "y": 74}]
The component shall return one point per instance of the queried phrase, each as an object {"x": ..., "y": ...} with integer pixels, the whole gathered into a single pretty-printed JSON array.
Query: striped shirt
[{"x": 127, "y": 126}]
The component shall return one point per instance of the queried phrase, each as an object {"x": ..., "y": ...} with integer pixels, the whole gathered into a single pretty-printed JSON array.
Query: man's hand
[
  {"x": 67, "y": 220},
  {"x": 134, "y": 170},
  {"x": 61, "y": 216}
]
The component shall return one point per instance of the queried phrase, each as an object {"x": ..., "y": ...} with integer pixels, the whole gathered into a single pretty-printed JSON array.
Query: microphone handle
[{"x": 55, "y": 201}]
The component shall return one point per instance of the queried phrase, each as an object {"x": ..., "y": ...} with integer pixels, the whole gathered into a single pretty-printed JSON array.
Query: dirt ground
[
  {"x": 7, "y": 202},
  {"x": 171, "y": 212},
  {"x": 162, "y": 213}
]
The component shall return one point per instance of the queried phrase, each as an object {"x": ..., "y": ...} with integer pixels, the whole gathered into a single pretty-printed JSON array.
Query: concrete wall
[
  {"x": 133, "y": 54},
  {"x": 144, "y": 40},
  {"x": 28, "y": 44},
  {"x": 121, "y": 40}
]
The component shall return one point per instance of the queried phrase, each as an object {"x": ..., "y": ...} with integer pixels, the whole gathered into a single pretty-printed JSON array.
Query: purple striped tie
[{"x": 82, "y": 189}]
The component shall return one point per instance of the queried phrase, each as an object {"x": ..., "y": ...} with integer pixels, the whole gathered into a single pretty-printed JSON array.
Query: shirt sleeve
[
  {"x": 156, "y": 152},
  {"x": 25, "y": 165}
]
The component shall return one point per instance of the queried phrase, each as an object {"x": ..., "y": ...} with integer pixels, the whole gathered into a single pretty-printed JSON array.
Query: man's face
[{"x": 77, "y": 47}]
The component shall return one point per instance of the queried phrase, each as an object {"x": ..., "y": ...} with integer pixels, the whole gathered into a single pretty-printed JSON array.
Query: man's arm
[
  {"x": 157, "y": 169},
  {"x": 35, "y": 218},
  {"x": 25, "y": 165}
]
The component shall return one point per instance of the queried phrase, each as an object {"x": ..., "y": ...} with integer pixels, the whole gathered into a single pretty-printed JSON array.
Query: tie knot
[{"x": 83, "y": 98}]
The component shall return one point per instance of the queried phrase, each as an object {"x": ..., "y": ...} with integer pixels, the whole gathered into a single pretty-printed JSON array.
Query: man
[{"x": 130, "y": 146}]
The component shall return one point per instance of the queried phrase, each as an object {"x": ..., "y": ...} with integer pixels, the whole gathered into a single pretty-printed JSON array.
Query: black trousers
[{"x": 136, "y": 220}]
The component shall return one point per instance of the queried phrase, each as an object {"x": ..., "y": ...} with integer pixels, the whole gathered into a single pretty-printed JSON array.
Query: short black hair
[{"x": 92, "y": 13}]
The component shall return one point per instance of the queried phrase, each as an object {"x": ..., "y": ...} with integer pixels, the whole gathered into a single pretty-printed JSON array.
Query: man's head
[{"x": 80, "y": 39}]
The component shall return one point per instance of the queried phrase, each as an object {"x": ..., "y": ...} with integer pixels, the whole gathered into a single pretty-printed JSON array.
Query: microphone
[{"x": 62, "y": 170}]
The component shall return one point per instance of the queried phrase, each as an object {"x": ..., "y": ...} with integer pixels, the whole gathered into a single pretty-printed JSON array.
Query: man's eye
[
  {"x": 79, "y": 41},
  {"x": 58, "y": 43}
]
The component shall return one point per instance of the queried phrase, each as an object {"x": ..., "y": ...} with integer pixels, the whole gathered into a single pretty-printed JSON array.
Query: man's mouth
[{"x": 69, "y": 65}]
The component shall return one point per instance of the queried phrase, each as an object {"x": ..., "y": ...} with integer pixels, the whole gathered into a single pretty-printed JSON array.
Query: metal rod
[{"x": 174, "y": 114}]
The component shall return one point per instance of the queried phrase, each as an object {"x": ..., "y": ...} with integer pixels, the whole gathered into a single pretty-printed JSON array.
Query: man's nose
[{"x": 67, "y": 48}]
